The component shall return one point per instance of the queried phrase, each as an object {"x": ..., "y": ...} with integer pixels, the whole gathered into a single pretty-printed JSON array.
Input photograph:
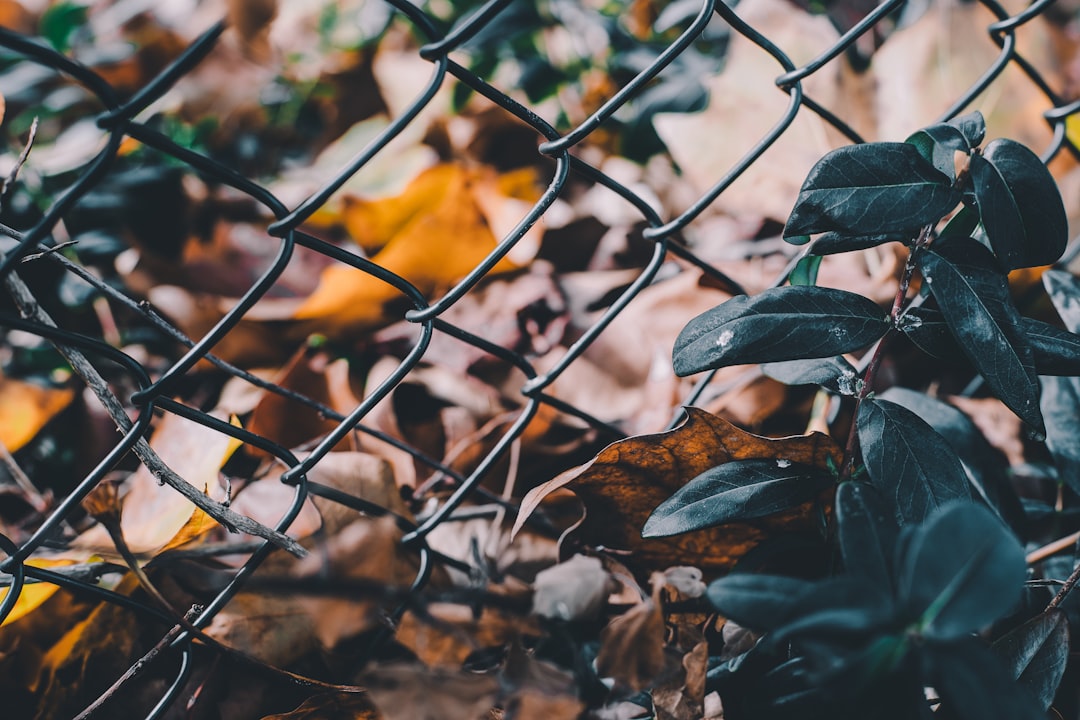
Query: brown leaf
[
  {"x": 251, "y": 19},
  {"x": 365, "y": 550},
  {"x": 331, "y": 706},
  {"x": 86, "y": 661},
  {"x": 25, "y": 407},
  {"x": 683, "y": 697},
  {"x": 405, "y": 692},
  {"x": 632, "y": 647},
  {"x": 457, "y": 633},
  {"x": 622, "y": 486},
  {"x": 273, "y": 628}
]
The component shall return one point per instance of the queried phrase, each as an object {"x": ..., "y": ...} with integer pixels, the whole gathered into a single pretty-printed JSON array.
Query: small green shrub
[{"x": 923, "y": 550}]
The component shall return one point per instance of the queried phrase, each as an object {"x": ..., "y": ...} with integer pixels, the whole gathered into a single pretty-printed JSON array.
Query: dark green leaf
[
  {"x": 960, "y": 571},
  {"x": 985, "y": 467},
  {"x": 835, "y": 374},
  {"x": 787, "y": 323},
  {"x": 839, "y": 606},
  {"x": 973, "y": 294},
  {"x": 758, "y": 602},
  {"x": 972, "y": 125},
  {"x": 1057, "y": 351},
  {"x": 912, "y": 466},
  {"x": 939, "y": 144},
  {"x": 60, "y": 21},
  {"x": 1019, "y": 204},
  {"x": 805, "y": 271},
  {"x": 867, "y": 530},
  {"x": 832, "y": 243},
  {"x": 1061, "y": 407},
  {"x": 737, "y": 490},
  {"x": 1036, "y": 653},
  {"x": 870, "y": 189},
  {"x": 1064, "y": 291},
  {"x": 975, "y": 685},
  {"x": 928, "y": 330},
  {"x": 962, "y": 225}
]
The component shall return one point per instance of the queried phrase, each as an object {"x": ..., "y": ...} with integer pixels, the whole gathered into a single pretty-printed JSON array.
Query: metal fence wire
[{"x": 152, "y": 392}]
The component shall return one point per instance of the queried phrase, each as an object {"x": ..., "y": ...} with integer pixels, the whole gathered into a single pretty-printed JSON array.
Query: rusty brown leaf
[
  {"x": 632, "y": 647},
  {"x": 622, "y": 486},
  {"x": 406, "y": 692},
  {"x": 331, "y": 706}
]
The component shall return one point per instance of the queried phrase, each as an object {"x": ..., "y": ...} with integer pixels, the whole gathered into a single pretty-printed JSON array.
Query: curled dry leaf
[
  {"x": 622, "y": 486},
  {"x": 573, "y": 590},
  {"x": 632, "y": 647},
  {"x": 683, "y": 697},
  {"x": 25, "y": 408}
]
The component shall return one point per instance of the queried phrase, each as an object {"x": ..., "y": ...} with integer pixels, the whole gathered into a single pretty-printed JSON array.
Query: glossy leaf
[
  {"x": 759, "y": 602},
  {"x": 835, "y": 374},
  {"x": 973, "y": 295},
  {"x": 960, "y": 571},
  {"x": 1064, "y": 291},
  {"x": 805, "y": 271},
  {"x": 1056, "y": 351},
  {"x": 787, "y": 323},
  {"x": 1020, "y": 206},
  {"x": 984, "y": 469},
  {"x": 832, "y": 243},
  {"x": 871, "y": 188},
  {"x": 738, "y": 490},
  {"x": 839, "y": 606},
  {"x": 1060, "y": 404},
  {"x": 867, "y": 530},
  {"x": 1036, "y": 653},
  {"x": 975, "y": 685},
  {"x": 962, "y": 225},
  {"x": 908, "y": 461},
  {"x": 938, "y": 144}
]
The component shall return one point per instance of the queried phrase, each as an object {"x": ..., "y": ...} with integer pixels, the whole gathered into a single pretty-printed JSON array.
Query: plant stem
[
  {"x": 851, "y": 448},
  {"x": 1070, "y": 583}
]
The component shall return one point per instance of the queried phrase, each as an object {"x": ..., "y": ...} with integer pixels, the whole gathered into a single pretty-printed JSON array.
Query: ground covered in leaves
[{"x": 540, "y": 597}]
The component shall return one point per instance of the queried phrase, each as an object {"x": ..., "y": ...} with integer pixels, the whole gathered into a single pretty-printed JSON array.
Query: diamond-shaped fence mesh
[{"x": 137, "y": 394}]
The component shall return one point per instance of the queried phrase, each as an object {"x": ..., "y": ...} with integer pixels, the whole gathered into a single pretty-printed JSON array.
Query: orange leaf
[
  {"x": 622, "y": 486},
  {"x": 444, "y": 224},
  {"x": 25, "y": 408}
]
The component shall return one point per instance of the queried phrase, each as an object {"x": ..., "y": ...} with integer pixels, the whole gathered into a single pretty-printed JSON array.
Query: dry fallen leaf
[
  {"x": 26, "y": 407},
  {"x": 273, "y": 628},
  {"x": 457, "y": 633},
  {"x": 632, "y": 647},
  {"x": 406, "y": 692},
  {"x": 573, "y": 590},
  {"x": 683, "y": 697},
  {"x": 154, "y": 515},
  {"x": 465, "y": 214},
  {"x": 33, "y": 595},
  {"x": 622, "y": 486},
  {"x": 331, "y": 706}
]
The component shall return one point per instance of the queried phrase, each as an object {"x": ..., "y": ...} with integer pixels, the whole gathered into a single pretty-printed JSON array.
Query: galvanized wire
[{"x": 119, "y": 121}]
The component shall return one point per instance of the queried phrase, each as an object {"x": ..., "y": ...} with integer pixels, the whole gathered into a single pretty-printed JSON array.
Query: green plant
[{"x": 923, "y": 551}]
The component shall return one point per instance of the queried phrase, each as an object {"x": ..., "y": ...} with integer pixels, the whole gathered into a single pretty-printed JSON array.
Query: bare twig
[
  {"x": 1053, "y": 548},
  {"x": 1070, "y": 583},
  {"x": 30, "y": 492},
  {"x": 9, "y": 181},
  {"x": 234, "y": 522}
]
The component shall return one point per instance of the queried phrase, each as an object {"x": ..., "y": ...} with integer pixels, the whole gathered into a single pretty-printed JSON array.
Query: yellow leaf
[
  {"x": 25, "y": 408},
  {"x": 33, "y": 595},
  {"x": 447, "y": 221}
]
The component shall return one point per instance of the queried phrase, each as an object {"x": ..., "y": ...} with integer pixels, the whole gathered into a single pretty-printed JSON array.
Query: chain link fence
[{"x": 152, "y": 391}]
